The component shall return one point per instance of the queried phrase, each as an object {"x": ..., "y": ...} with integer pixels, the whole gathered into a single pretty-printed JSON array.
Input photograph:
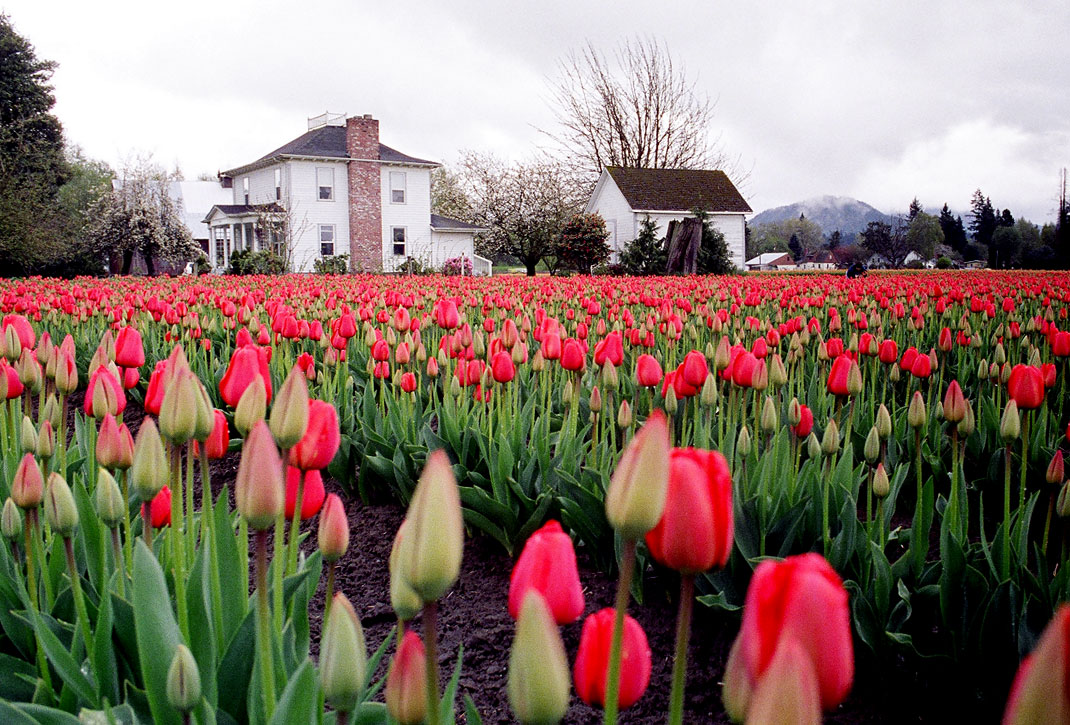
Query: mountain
[{"x": 848, "y": 215}]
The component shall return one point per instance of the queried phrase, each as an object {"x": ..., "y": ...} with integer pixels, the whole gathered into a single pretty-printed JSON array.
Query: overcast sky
[{"x": 880, "y": 101}]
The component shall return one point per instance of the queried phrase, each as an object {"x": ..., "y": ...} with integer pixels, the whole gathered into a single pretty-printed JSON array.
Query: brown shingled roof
[{"x": 678, "y": 190}]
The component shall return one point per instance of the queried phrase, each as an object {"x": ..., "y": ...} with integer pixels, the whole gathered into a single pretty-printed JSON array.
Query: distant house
[
  {"x": 771, "y": 261},
  {"x": 823, "y": 259},
  {"x": 339, "y": 191},
  {"x": 624, "y": 197}
]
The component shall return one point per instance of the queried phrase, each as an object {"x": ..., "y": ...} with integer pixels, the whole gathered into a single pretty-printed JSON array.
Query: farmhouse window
[
  {"x": 278, "y": 183},
  {"x": 245, "y": 188},
  {"x": 325, "y": 182},
  {"x": 398, "y": 235},
  {"x": 326, "y": 240},
  {"x": 397, "y": 187}
]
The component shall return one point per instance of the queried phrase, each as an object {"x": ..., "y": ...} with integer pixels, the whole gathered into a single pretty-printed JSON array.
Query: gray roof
[
  {"x": 330, "y": 142},
  {"x": 678, "y": 190},
  {"x": 446, "y": 224},
  {"x": 245, "y": 209}
]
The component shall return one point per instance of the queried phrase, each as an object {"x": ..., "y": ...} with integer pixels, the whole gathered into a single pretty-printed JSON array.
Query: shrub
[
  {"x": 246, "y": 261},
  {"x": 582, "y": 243},
  {"x": 338, "y": 264},
  {"x": 455, "y": 266},
  {"x": 646, "y": 254},
  {"x": 944, "y": 263}
]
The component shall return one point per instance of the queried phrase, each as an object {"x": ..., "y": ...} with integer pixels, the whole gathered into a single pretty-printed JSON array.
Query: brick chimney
[{"x": 365, "y": 194}]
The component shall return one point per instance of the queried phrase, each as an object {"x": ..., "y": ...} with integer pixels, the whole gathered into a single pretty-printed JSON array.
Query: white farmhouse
[
  {"x": 338, "y": 190},
  {"x": 624, "y": 197}
]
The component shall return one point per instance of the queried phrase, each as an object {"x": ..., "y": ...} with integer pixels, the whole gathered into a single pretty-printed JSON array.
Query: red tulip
[
  {"x": 1048, "y": 371},
  {"x": 695, "y": 369},
  {"x": 907, "y": 361},
  {"x": 131, "y": 377},
  {"x": 501, "y": 366},
  {"x": 806, "y": 422},
  {"x": 695, "y": 530},
  {"x": 406, "y": 681},
  {"x": 743, "y": 368},
  {"x": 922, "y": 367},
  {"x": 889, "y": 352},
  {"x": 1041, "y": 689},
  {"x": 322, "y": 438},
  {"x": 129, "y": 352},
  {"x": 1026, "y": 386},
  {"x": 159, "y": 508},
  {"x": 23, "y": 329},
  {"x": 551, "y": 346},
  {"x": 307, "y": 364},
  {"x": 103, "y": 390},
  {"x": 611, "y": 348},
  {"x": 408, "y": 382},
  {"x": 572, "y": 355},
  {"x": 802, "y": 598},
  {"x": 14, "y": 386},
  {"x": 548, "y": 565},
  {"x": 1060, "y": 344},
  {"x": 837, "y": 382},
  {"x": 219, "y": 439},
  {"x": 647, "y": 371},
  {"x": 592, "y": 660},
  {"x": 311, "y": 498},
  {"x": 245, "y": 364}
]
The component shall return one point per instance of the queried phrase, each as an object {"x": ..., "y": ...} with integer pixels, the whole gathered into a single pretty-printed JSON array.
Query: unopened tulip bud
[
  {"x": 108, "y": 499},
  {"x": 893, "y": 373},
  {"x": 178, "y": 414},
  {"x": 1062, "y": 506},
  {"x": 259, "y": 490},
  {"x": 610, "y": 377},
  {"x": 671, "y": 403},
  {"x": 916, "y": 412},
  {"x": 968, "y": 424},
  {"x": 778, "y": 375},
  {"x": 884, "y": 422},
  {"x": 343, "y": 656},
  {"x": 403, "y": 600},
  {"x": 787, "y": 692},
  {"x": 881, "y": 486},
  {"x": 205, "y": 413},
  {"x": 872, "y": 450},
  {"x": 289, "y": 414},
  {"x": 854, "y": 379},
  {"x": 999, "y": 356},
  {"x": 760, "y": 381},
  {"x": 743, "y": 442},
  {"x": 708, "y": 395},
  {"x": 46, "y": 441},
  {"x": 149, "y": 472},
  {"x": 1055, "y": 473},
  {"x": 430, "y": 556},
  {"x": 813, "y": 446},
  {"x": 566, "y": 393},
  {"x": 624, "y": 415},
  {"x": 737, "y": 688},
  {"x": 830, "y": 441},
  {"x": 538, "y": 668},
  {"x": 635, "y": 499},
  {"x": 333, "y": 537},
  {"x": 27, "y": 487},
  {"x": 252, "y": 406},
  {"x": 595, "y": 402},
  {"x": 60, "y": 509},
  {"x": 406, "y": 682},
  {"x": 12, "y": 344},
  {"x": 723, "y": 355},
  {"x": 183, "y": 681},
  {"x": 794, "y": 412},
  {"x": 769, "y": 417},
  {"x": 954, "y": 403},
  {"x": 11, "y": 521},
  {"x": 29, "y": 435},
  {"x": 1010, "y": 425}
]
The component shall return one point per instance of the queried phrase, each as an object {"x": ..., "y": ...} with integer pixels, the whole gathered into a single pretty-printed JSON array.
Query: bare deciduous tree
[{"x": 640, "y": 110}]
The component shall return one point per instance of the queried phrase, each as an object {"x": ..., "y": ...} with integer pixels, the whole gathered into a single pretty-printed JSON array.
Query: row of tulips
[{"x": 827, "y": 397}]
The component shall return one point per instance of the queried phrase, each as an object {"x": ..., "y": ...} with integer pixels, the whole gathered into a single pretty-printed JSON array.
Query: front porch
[{"x": 240, "y": 227}]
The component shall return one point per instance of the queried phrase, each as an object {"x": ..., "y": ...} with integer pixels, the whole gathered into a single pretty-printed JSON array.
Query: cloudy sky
[{"x": 882, "y": 101}]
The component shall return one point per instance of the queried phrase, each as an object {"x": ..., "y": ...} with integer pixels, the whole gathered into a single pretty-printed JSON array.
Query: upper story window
[
  {"x": 397, "y": 187},
  {"x": 245, "y": 188},
  {"x": 325, "y": 183},
  {"x": 278, "y": 183}
]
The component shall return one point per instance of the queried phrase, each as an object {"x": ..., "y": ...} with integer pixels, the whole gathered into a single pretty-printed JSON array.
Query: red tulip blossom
[
  {"x": 548, "y": 565},
  {"x": 1026, "y": 386},
  {"x": 103, "y": 390},
  {"x": 573, "y": 356},
  {"x": 695, "y": 530},
  {"x": 837, "y": 382},
  {"x": 647, "y": 371},
  {"x": 1060, "y": 344},
  {"x": 502, "y": 367},
  {"x": 245, "y": 364},
  {"x": 695, "y": 370},
  {"x": 321, "y": 440},
  {"x": 312, "y": 496},
  {"x": 801, "y": 598},
  {"x": 408, "y": 382},
  {"x": 806, "y": 422},
  {"x": 592, "y": 660},
  {"x": 159, "y": 509},
  {"x": 889, "y": 352},
  {"x": 129, "y": 352}
]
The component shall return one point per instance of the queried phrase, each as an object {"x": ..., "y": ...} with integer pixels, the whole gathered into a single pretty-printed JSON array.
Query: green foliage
[
  {"x": 944, "y": 263},
  {"x": 246, "y": 261},
  {"x": 713, "y": 255},
  {"x": 582, "y": 243},
  {"x": 646, "y": 254},
  {"x": 336, "y": 264},
  {"x": 924, "y": 234}
]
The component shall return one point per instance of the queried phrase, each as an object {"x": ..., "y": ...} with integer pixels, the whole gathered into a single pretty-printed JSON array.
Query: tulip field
[{"x": 859, "y": 476}]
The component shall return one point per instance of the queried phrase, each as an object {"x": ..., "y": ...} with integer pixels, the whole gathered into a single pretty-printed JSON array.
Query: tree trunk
[
  {"x": 128, "y": 260},
  {"x": 150, "y": 264},
  {"x": 530, "y": 265}
]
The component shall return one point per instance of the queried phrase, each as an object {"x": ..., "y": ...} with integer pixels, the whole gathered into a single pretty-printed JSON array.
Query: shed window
[
  {"x": 325, "y": 183},
  {"x": 397, "y": 234}
]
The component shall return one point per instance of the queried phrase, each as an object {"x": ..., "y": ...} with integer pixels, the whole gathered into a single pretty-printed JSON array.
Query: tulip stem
[
  {"x": 79, "y": 599},
  {"x": 330, "y": 594},
  {"x": 263, "y": 621},
  {"x": 31, "y": 584},
  {"x": 624, "y": 592},
  {"x": 1006, "y": 562},
  {"x": 683, "y": 634},
  {"x": 1025, "y": 461},
  {"x": 117, "y": 552},
  {"x": 295, "y": 526},
  {"x": 431, "y": 656},
  {"x": 128, "y": 541}
]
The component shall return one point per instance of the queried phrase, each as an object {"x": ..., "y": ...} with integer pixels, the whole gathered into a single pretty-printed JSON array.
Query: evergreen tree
[
  {"x": 915, "y": 209},
  {"x": 713, "y": 255},
  {"x": 646, "y": 254},
  {"x": 1006, "y": 219},
  {"x": 796, "y": 247},
  {"x": 954, "y": 234},
  {"x": 983, "y": 218},
  {"x": 835, "y": 240}
]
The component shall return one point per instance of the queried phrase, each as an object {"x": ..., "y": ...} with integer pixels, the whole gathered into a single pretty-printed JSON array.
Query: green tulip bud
[
  {"x": 708, "y": 395},
  {"x": 999, "y": 356},
  {"x": 916, "y": 411},
  {"x": 51, "y": 412},
  {"x": 403, "y": 600},
  {"x": 149, "y": 472},
  {"x": 60, "y": 509},
  {"x": 252, "y": 406},
  {"x": 854, "y": 379},
  {"x": 968, "y": 424},
  {"x": 760, "y": 381},
  {"x": 872, "y": 450},
  {"x": 769, "y": 418},
  {"x": 205, "y": 413},
  {"x": 830, "y": 441},
  {"x": 343, "y": 656},
  {"x": 737, "y": 687},
  {"x": 884, "y": 422},
  {"x": 538, "y": 668},
  {"x": 431, "y": 550},
  {"x": 29, "y": 435},
  {"x": 624, "y": 415},
  {"x": 813, "y": 446},
  {"x": 778, "y": 374},
  {"x": 671, "y": 403},
  {"x": 893, "y": 373},
  {"x": 289, "y": 414},
  {"x": 794, "y": 412},
  {"x": 259, "y": 489},
  {"x": 635, "y": 499},
  {"x": 1010, "y": 425},
  {"x": 178, "y": 411},
  {"x": 11, "y": 521},
  {"x": 183, "y": 681},
  {"x": 881, "y": 486},
  {"x": 109, "y": 499},
  {"x": 743, "y": 443},
  {"x": 610, "y": 377},
  {"x": 595, "y": 402},
  {"x": 1062, "y": 506}
]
